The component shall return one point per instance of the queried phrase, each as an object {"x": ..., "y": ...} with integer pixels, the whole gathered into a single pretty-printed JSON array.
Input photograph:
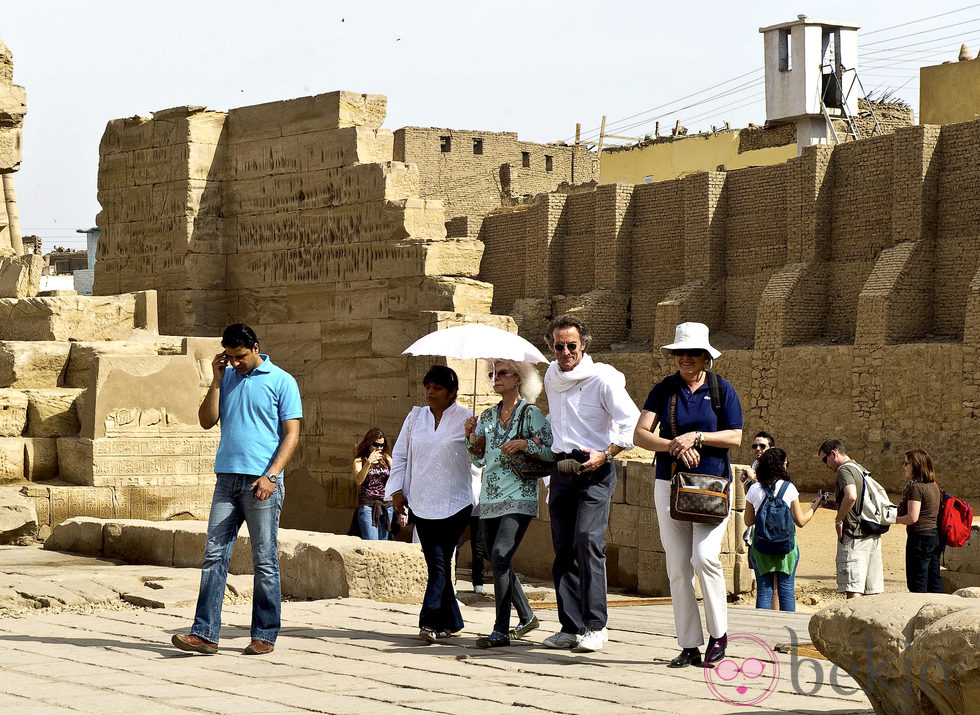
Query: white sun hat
[{"x": 690, "y": 336}]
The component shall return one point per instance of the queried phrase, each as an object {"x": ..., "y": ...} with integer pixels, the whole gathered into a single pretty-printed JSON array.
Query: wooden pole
[
  {"x": 602, "y": 133},
  {"x": 578, "y": 139}
]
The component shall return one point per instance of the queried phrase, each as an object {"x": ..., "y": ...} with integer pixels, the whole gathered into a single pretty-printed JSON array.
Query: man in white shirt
[{"x": 591, "y": 416}]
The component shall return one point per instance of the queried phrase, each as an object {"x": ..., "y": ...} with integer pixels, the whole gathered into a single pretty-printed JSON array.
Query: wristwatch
[
  {"x": 272, "y": 477},
  {"x": 608, "y": 456}
]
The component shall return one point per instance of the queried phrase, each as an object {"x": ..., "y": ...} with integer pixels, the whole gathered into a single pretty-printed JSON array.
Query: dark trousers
[
  {"x": 478, "y": 548},
  {"x": 579, "y": 508},
  {"x": 922, "y": 552},
  {"x": 439, "y": 538},
  {"x": 504, "y": 535}
]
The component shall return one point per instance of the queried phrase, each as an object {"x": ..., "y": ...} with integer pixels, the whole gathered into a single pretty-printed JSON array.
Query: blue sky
[{"x": 532, "y": 67}]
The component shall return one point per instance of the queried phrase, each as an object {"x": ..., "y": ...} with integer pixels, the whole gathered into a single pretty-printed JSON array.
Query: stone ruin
[
  {"x": 98, "y": 412},
  {"x": 20, "y": 272}
]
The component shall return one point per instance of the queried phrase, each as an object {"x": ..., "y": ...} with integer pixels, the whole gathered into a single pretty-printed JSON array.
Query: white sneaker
[
  {"x": 480, "y": 590},
  {"x": 591, "y": 641},
  {"x": 562, "y": 640}
]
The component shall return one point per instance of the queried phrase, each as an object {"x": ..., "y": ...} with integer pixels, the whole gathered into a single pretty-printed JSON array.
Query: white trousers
[{"x": 693, "y": 549}]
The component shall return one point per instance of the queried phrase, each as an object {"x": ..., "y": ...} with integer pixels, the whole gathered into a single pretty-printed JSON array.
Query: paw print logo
[{"x": 741, "y": 680}]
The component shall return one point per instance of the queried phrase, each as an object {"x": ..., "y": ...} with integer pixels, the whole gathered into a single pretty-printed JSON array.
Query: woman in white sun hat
[{"x": 700, "y": 445}]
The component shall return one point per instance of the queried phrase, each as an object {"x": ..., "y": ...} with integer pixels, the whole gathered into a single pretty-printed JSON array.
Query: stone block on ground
[
  {"x": 52, "y": 412},
  {"x": 13, "y": 412},
  {"x": 25, "y": 364},
  {"x": 18, "y": 518},
  {"x": 80, "y": 534},
  {"x": 312, "y": 564},
  {"x": 20, "y": 276},
  {"x": 140, "y": 542},
  {"x": 966, "y": 557},
  {"x": 880, "y": 640},
  {"x": 161, "y": 597}
]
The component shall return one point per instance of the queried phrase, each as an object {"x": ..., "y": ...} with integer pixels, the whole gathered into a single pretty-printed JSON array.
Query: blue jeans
[
  {"x": 504, "y": 535},
  {"x": 785, "y": 587},
  {"x": 439, "y": 538},
  {"x": 232, "y": 504},
  {"x": 370, "y": 531},
  {"x": 922, "y": 554}
]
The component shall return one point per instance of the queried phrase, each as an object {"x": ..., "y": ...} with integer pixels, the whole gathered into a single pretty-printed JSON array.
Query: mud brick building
[
  {"x": 843, "y": 286},
  {"x": 474, "y": 172}
]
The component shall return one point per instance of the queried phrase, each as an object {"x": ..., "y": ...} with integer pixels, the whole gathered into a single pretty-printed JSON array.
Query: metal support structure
[{"x": 852, "y": 130}]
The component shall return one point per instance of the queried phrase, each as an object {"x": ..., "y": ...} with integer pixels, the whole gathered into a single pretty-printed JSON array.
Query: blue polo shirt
[
  {"x": 251, "y": 411},
  {"x": 694, "y": 412}
]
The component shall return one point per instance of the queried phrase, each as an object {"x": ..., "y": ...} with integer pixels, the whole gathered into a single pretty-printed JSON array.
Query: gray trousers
[{"x": 579, "y": 508}]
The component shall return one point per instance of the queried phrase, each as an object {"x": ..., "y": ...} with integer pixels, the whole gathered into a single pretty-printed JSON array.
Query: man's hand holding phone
[{"x": 218, "y": 366}]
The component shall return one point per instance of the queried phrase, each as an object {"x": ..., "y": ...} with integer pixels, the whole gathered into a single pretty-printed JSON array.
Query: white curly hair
[{"x": 531, "y": 385}]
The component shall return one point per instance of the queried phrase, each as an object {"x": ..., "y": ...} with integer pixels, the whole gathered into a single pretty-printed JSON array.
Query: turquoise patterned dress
[{"x": 502, "y": 491}]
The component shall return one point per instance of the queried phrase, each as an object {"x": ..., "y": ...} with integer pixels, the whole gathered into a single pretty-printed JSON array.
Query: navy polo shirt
[
  {"x": 251, "y": 411},
  {"x": 694, "y": 413}
]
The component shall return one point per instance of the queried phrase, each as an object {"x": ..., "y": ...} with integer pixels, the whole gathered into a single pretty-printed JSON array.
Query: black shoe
[
  {"x": 716, "y": 649},
  {"x": 688, "y": 656}
]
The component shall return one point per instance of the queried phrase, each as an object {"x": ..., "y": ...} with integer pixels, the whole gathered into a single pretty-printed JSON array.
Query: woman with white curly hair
[{"x": 499, "y": 441}]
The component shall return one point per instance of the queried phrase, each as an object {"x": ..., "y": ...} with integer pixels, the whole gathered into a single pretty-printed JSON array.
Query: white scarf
[{"x": 561, "y": 381}]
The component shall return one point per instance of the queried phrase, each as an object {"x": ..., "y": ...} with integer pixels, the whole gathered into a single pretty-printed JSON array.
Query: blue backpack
[{"x": 774, "y": 529}]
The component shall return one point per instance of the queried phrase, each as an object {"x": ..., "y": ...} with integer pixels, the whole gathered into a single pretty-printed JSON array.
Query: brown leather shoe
[
  {"x": 259, "y": 647},
  {"x": 194, "y": 644}
]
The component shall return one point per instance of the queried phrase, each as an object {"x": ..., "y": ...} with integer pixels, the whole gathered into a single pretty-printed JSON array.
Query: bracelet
[{"x": 698, "y": 439}]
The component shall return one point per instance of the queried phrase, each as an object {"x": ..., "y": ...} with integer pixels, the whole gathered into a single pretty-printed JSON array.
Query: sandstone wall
[
  {"x": 475, "y": 172},
  {"x": 843, "y": 287},
  {"x": 291, "y": 216}
]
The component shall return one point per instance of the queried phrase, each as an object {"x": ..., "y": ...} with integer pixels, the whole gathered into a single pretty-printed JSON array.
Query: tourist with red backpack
[{"x": 919, "y": 510}]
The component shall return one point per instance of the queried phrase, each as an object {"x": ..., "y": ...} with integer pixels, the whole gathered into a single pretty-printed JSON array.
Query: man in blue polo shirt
[{"x": 259, "y": 408}]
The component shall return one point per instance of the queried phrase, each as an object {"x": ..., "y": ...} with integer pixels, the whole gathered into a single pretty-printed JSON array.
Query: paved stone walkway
[{"x": 358, "y": 656}]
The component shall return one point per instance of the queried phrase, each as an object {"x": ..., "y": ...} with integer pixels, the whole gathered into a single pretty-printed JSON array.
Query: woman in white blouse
[{"x": 431, "y": 476}]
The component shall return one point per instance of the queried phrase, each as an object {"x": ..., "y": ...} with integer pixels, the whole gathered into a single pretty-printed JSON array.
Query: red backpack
[{"x": 955, "y": 520}]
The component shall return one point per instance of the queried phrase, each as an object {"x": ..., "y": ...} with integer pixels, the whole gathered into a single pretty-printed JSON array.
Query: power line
[
  {"x": 924, "y": 19},
  {"x": 919, "y": 34}
]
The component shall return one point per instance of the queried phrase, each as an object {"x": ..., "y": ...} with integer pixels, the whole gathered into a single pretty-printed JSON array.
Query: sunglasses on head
[
  {"x": 559, "y": 347},
  {"x": 689, "y": 353},
  {"x": 378, "y": 444}
]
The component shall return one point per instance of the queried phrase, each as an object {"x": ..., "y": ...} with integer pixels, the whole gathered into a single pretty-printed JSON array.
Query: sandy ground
[{"x": 816, "y": 582}]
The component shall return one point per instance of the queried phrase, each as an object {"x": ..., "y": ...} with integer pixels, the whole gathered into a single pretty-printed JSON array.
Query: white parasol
[{"x": 476, "y": 341}]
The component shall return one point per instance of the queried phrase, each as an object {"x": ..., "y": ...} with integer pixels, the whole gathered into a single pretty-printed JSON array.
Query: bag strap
[
  {"x": 520, "y": 421},
  {"x": 782, "y": 489}
]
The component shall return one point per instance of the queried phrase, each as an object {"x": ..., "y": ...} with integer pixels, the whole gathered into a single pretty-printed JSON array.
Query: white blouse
[{"x": 430, "y": 466}]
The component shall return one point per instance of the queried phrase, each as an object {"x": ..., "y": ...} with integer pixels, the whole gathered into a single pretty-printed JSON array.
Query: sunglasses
[
  {"x": 760, "y": 446},
  {"x": 499, "y": 373},
  {"x": 825, "y": 458},
  {"x": 559, "y": 347},
  {"x": 689, "y": 353},
  {"x": 379, "y": 445}
]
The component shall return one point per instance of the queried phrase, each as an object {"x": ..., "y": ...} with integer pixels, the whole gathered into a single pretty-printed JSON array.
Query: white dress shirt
[
  {"x": 589, "y": 407},
  {"x": 430, "y": 466}
]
